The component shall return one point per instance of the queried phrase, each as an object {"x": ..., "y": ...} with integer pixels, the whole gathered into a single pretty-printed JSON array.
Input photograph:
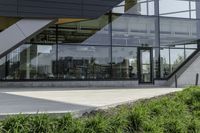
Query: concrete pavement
[{"x": 62, "y": 100}]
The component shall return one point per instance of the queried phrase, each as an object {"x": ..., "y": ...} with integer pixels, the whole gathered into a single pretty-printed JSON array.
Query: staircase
[
  {"x": 20, "y": 32},
  {"x": 186, "y": 73}
]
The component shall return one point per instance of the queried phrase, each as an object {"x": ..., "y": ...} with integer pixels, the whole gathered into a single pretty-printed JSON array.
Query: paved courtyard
[{"x": 62, "y": 100}]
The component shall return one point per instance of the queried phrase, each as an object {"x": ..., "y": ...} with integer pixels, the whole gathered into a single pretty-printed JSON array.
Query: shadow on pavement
[{"x": 11, "y": 104}]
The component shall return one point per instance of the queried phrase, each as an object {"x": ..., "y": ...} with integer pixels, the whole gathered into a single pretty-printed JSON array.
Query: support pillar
[{"x": 198, "y": 23}]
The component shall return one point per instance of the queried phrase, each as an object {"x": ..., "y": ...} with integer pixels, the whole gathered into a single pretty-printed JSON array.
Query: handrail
[{"x": 182, "y": 64}]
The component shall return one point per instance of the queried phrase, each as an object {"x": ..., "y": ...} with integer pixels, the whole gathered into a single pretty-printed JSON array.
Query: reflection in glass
[
  {"x": 176, "y": 57},
  {"x": 184, "y": 14},
  {"x": 46, "y": 36},
  {"x": 31, "y": 62},
  {"x": 189, "y": 52},
  {"x": 85, "y": 31},
  {"x": 44, "y": 61},
  {"x": 165, "y": 62},
  {"x": 84, "y": 62},
  {"x": 175, "y": 31},
  {"x": 173, "y": 8},
  {"x": 193, "y": 14},
  {"x": 2, "y": 68},
  {"x": 124, "y": 63},
  {"x": 16, "y": 62},
  {"x": 145, "y": 66},
  {"x": 139, "y": 7},
  {"x": 133, "y": 31}
]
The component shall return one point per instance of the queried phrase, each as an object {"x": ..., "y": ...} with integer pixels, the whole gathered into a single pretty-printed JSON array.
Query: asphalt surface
[{"x": 62, "y": 100}]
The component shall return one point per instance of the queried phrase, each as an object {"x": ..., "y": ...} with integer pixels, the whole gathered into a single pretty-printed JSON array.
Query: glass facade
[{"x": 138, "y": 40}]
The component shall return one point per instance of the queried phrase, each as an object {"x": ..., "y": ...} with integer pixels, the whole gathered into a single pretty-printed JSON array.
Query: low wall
[{"x": 70, "y": 84}]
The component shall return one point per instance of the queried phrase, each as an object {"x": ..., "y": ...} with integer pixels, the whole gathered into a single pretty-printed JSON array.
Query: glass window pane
[
  {"x": 91, "y": 32},
  {"x": 173, "y": 8},
  {"x": 140, "y": 7},
  {"x": 192, "y": 45},
  {"x": 176, "y": 31},
  {"x": 133, "y": 31},
  {"x": 193, "y": 5},
  {"x": 124, "y": 63},
  {"x": 165, "y": 62},
  {"x": 44, "y": 62},
  {"x": 184, "y": 14},
  {"x": 31, "y": 62},
  {"x": 16, "y": 63},
  {"x": 188, "y": 52},
  {"x": 193, "y": 14},
  {"x": 2, "y": 68},
  {"x": 151, "y": 8},
  {"x": 46, "y": 36},
  {"x": 176, "y": 58},
  {"x": 83, "y": 62},
  {"x": 119, "y": 9},
  {"x": 145, "y": 57}
]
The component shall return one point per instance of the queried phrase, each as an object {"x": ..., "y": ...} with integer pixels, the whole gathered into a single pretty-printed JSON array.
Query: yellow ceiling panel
[
  {"x": 129, "y": 4},
  {"x": 5, "y": 22},
  {"x": 68, "y": 20}
]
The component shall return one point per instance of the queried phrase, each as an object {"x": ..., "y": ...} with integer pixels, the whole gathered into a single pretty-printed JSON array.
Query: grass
[{"x": 174, "y": 113}]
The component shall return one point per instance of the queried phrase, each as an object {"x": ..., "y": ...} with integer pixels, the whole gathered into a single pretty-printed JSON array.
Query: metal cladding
[{"x": 56, "y": 8}]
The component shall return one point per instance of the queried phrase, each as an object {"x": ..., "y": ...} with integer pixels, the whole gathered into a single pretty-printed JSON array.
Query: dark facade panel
[
  {"x": 8, "y": 7},
  {"x": 56, "y": 8}
]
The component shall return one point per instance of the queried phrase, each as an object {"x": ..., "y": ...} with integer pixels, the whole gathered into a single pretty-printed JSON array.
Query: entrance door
[{"x": 145, "y": 64}]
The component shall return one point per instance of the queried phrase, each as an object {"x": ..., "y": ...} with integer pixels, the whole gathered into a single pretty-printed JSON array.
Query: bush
[
  {"x": 136, "y": 119},
  {"x": 16, "y": 124},
  {"x": 68, "y": 124},
  {"x": 174, "y": 113},
  {"x": 97, "y": 124}
]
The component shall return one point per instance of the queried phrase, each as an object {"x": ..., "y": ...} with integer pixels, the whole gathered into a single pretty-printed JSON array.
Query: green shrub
[
  {"x": 42, "y": 124},
  {"x": 136, "y": 118},
  {"x": 68, "y": 124},
  {"x": 16, "y": 124},
  {"x": 97, "y": 124},
  {"x": 117, "y": 124},
  {"x": 194, "y": 126},
  {"x": 173, "y": 126}
]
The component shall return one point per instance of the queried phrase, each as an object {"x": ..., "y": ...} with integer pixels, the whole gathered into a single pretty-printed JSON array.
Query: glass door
[{"x": 145, "y": 64}]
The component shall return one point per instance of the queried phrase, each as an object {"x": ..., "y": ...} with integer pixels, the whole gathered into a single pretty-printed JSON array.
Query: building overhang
[{"x": 56, "y": 9}]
